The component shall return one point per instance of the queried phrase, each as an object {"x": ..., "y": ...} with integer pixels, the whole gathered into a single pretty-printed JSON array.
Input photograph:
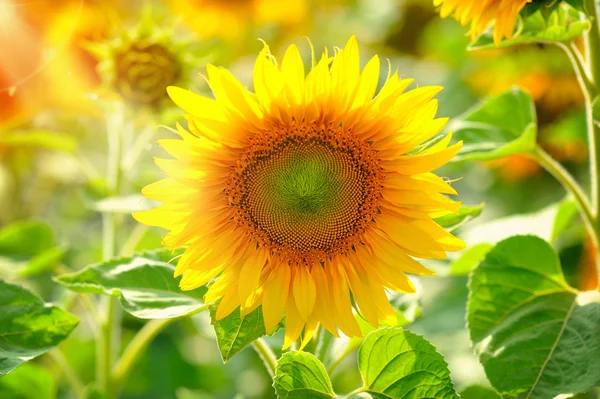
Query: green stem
[
  {"x": 352, "y": 346},
  {"x": 134, "y": 239},
  {"x": 579, "y": 66},
  {"x": 70, "y": 374},
  {"x": 266, "y": 354},
  {"x": 592, "y": 40},
  {"x": 108, "y": 344},
  {"x": 136, "y": 347},
  {"x": 139, "y": 343},
  {"x": 355, "y": 392},
  {"x": 569, "y": 183},
  {"x": 324, "y": 342},
  {"x": 592, "y": 45}
]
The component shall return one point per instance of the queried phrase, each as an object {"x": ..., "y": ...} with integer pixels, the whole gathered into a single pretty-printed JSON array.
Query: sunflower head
[
  {"x": 504, "y": 13},
  {"x": 231, "y": 20},
  {"x": 139, "y": 64},
  {"x": 311, "y": 196},
  {"x": 143, "y": 70}
]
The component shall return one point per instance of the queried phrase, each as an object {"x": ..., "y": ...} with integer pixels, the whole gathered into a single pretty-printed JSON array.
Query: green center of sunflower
[
  {"x": 307, "y": 193},
  {"x": 306, "y": 185}
]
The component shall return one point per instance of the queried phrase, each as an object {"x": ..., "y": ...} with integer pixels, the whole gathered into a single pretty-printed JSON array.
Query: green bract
[{"x": 234, "y": 333}]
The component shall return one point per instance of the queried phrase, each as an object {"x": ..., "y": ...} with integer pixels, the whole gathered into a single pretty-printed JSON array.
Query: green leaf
[
  {"x": 469, "y": 258},
  {"x": 535, "y": 336},
  {"x": 501, "y": 125},
  {"x": 28, "y": 382},
  {"x": 300, "y": 375},
  {"x": 144, "y": 284},
  {"x": 466, "y": 213},
  {"x": 28, "y": 248},
  {"x": 561, "y": 25},
  {"x": 234, "y": 333},
  {"x": 395, "y": 363},
  {"x": 28, "y": 238},
  {"x": 39, "y": 139},
  {"x": 28, "y": 326},
  {"x": 479, "y": 392}
]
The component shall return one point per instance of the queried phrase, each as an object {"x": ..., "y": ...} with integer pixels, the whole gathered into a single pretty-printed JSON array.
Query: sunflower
[
  {"x": 229, "y": 19},
  {"x": 308, "y": 195},
  {"x": 139, "y": 63},
  {"x": 481, "y": 13}
]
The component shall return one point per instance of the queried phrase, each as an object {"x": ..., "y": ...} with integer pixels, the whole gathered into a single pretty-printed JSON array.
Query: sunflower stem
[
  {"x": 324, "y": 341},
  {"x": 70, "y": 375},
  {"x": 139, "y": 343},
  {"x": 355, "y": 392},
  {"x": 266, "y": 354},
  {"x": 352, "y": 346},
  {"x": 568, "y": 182},
  {"x": 109, "y": 341},
  {"x": 592, "y": 46},
  {"x": 135, "y": 348}
]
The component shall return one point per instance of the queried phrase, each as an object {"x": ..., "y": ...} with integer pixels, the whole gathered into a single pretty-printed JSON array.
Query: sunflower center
[
  {"x": 143, "y": 71},
  {"x": 306, "y": 192},
  {"x": 302, "y": 182}
]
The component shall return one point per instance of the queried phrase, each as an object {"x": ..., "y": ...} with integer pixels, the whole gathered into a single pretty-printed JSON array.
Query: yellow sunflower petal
[{"x": 275, "y": 296}]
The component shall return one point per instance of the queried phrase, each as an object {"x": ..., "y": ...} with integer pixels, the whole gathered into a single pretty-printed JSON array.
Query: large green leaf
[
  {"x": 300, "y": 375},
  {"x": 479, "y": 392},
  {"x": 501, "y": 125},
  {"x": 28, "y": 382},
  {"x": 144, "y": 284},
  {"x": 563, "y": 24},
  {"x": 395, "y": 363},
  {"x": 234, "y": 333},
  {"x": 28, "y": 326},
  {"x": 535, "y": 336},
  {"x": 28, "y": 248}
]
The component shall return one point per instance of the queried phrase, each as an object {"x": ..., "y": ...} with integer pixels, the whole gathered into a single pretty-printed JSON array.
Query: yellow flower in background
[
  {"x": 140, "y": 63},
  {"x": 230, "y": 19},
  {"x": 481, "y": 13},
  {"x": 306, "y": 191}
]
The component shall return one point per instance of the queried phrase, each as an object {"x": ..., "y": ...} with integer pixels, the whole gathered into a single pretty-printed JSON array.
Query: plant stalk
[
  {"x": 108, "y": 344},
  {"x": 139, "y": 343},
  {"x": 324, "y": 342},
  {"x": 70, "y": 374},
  {"x": 266, "y": 354},
  {"x": 136, "y": 347},
  {"x": 592, "y": 46}
]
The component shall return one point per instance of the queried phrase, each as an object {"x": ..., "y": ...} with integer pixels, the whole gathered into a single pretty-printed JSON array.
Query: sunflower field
[{"x": 297, "y": 199}]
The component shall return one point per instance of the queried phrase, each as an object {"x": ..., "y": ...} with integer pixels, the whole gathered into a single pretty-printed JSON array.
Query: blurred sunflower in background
[
  {"x": 231, "y": 19},
  {"x": 481, "y": 14},
  {"x": 137, "y": 65},
  {"x": 306, "y": 191}
]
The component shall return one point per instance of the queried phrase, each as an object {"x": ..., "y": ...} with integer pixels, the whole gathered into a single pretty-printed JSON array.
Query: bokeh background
[{"x": 67, "y": 67}]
